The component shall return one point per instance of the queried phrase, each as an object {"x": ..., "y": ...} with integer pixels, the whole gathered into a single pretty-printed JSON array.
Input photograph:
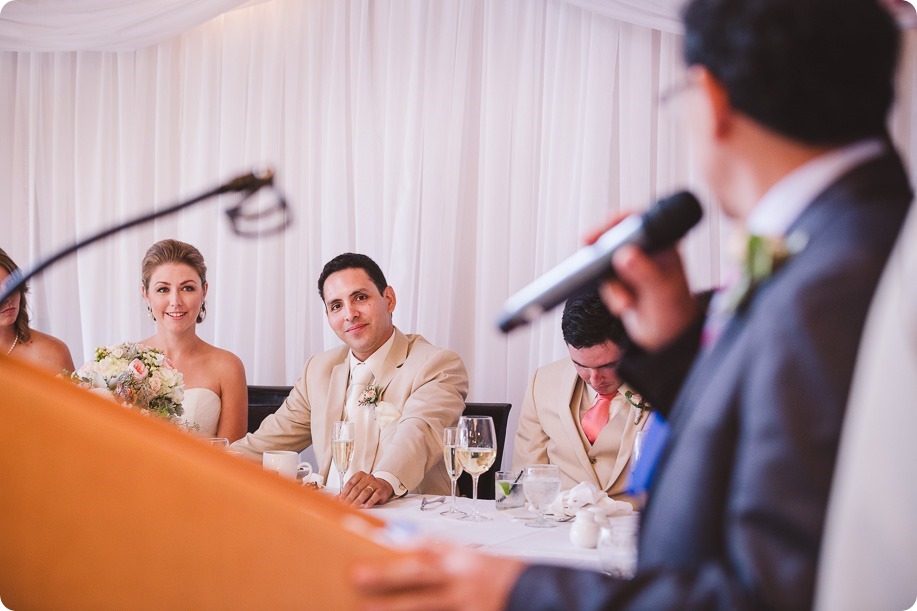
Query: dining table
[{"x": 504, "y": 534}]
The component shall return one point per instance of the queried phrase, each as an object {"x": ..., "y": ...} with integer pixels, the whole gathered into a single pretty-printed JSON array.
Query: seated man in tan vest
[
  {"x": 576, "y": 413},
  {"x": 400, "y": 391}
]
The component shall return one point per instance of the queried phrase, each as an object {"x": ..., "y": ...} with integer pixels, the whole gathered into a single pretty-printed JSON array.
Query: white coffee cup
[{"x": 286, "y": 463}]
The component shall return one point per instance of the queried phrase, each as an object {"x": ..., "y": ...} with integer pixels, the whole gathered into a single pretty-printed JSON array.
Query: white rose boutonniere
[
  {"x": 637, "y": 401},
  {"x": 370, "y": 395}
]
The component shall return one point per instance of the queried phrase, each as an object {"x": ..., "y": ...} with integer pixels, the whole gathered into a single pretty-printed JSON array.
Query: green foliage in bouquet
[{"x": 137, "y": 375}]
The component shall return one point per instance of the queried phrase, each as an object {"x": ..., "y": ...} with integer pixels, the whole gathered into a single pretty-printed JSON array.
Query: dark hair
[
  {"x": 586, "y": 322},
  {"x": 818, "y": 71},
  {"x": 173, "y": 251},
  {"x": 350, "y": 260},
  {"x": 21, "y": 325}
]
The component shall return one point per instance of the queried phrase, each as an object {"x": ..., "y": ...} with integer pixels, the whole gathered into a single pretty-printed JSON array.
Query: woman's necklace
[{"x": 15, "y": 341}]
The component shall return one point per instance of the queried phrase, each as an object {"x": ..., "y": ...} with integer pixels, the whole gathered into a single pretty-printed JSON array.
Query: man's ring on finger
[{"x": 371, "y": 489}]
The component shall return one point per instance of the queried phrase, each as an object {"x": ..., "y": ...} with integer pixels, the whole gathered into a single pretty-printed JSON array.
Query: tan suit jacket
[
  {"x": 549, "y": 431},
  {"x": 428, "y": 384}
]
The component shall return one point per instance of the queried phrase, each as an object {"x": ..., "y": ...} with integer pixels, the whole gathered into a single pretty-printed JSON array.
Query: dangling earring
[
  {"x": 149, "y": 312},
  {"x": 203, "y": 313}
]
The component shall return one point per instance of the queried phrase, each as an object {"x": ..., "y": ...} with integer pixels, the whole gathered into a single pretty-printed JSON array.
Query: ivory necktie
[
  {"x": 366, "y": 433},
  {"x": 596, "y": 417}
]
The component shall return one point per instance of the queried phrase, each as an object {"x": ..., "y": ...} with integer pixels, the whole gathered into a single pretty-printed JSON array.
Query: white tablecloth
[{"x": 505, "y": 535}]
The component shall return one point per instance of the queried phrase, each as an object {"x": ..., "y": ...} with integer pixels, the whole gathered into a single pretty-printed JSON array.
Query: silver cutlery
[
  {"x": 563, "y": 519},
  {"x": 427, "y": 503}
]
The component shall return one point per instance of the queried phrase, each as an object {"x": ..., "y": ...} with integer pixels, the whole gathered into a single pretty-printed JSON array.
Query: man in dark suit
[{"x": 786, "y": 102}]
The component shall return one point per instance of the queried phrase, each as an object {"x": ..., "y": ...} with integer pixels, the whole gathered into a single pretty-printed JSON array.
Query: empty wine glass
[
  {"x": 541, "y": 484},
  {"x": 342, "y": 440},
  {"x": 477, "y": 449},
  {"x": 453, "y": 466}
]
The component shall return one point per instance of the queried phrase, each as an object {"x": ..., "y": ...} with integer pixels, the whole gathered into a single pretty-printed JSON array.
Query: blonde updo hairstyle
[{"x": 173, "y": 251}]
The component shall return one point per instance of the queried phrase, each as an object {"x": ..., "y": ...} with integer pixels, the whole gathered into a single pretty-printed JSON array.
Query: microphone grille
[{"x": 670, "y": 219}]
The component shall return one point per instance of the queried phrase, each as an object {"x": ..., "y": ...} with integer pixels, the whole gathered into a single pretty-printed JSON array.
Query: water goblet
[
  {"x": 342, "y": 444},
  {"x": 541, "y": 484},
  {"x": 453, "y": 467},
  {"x": 477, "y": 449},
  {"x": 617, "y": 546}
]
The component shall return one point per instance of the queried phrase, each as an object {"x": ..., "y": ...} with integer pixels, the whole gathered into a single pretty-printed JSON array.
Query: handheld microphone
[{"x": 659, "y": 227}]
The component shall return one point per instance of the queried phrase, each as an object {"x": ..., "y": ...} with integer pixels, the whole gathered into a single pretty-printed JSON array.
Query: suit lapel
[
  {"x": 573, "y": 393},
  {"x": 613, "y": 434},
  {"x": 395, "y": 359},
  {"x": 393, "y": 362}
]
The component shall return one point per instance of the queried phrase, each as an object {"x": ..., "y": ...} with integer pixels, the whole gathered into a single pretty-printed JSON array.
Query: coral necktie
[{"x": 596, "y": 417}]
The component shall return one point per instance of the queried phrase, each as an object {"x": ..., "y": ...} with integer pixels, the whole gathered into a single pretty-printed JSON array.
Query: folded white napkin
[
  {"x": 313, "y": 480},
  {"x": 586, "y": 494}
]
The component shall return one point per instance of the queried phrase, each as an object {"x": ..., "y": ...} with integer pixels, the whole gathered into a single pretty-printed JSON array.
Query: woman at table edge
[{"x": 20, "y": 340}]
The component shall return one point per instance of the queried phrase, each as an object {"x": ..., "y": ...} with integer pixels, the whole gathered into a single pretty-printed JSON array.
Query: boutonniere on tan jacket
[
  {"x": 637, "y": 401},
  {"x": 369, "y": 396}
]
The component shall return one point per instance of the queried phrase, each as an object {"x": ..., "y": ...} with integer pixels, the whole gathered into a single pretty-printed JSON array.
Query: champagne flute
[
  {"x": 541, "y": 484},
  {"x": 453, "y": 466},
  {"x": 342, "y": 438},
  {"x": 477, "y": 449}
]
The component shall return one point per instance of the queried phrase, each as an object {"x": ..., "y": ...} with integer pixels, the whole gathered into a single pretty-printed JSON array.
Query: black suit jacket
[{"x": 735, "y": 514}]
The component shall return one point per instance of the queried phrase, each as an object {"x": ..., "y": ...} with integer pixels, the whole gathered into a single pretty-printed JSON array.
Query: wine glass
[
  {"x": 453, "y": 466},
  {"x": 477, "y": 449},
  {"x": 218, "y": 442},
  {"x": 342, "y": 438},
  {"x": 541, "y": 484}
]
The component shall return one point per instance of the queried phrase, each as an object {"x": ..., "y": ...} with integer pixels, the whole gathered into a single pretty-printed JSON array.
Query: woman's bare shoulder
[
  {"x": 224, "y": 358},
  {"x": 51, "y": 351}
]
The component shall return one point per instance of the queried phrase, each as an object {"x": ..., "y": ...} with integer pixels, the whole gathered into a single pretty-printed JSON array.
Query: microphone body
[{"x": 659, "y": 227}]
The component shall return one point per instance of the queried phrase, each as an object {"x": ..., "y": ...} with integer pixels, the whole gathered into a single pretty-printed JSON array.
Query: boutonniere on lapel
[
  {"x": 370, "y": 395},
  {"x": 638, "y": 402},
  {"x": 761, "y": 258}
]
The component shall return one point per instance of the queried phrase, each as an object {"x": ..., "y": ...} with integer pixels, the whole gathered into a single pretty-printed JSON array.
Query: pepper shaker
[{"x": 585, "y": 530}]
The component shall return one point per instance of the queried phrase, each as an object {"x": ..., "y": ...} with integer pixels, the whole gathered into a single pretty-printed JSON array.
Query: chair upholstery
[
  {"x": 500, "y": 414},
  {"x": 264, "y": 401}
]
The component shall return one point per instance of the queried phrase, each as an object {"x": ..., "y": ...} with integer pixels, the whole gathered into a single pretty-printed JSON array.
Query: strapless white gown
[{"x": 202, "y": 408}]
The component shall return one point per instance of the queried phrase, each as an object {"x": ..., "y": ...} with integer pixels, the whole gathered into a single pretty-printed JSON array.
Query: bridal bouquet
[{"x": 137, "y": 375}]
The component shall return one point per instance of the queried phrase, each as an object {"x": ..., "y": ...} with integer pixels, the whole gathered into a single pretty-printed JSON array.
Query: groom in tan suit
[
  {"x": 575, "y": 413},
  {"x": 413, "y": 391}
]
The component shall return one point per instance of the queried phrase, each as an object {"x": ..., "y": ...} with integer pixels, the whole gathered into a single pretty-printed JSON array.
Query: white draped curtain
[{"x": 466, "y": 145}]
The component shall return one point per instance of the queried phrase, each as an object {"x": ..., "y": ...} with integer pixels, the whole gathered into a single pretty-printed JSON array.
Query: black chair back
[
  {"x": 264, "y": 401},
  {"x": 500, "y": 414}
]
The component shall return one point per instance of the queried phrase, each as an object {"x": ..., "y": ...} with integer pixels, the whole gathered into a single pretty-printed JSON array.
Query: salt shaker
[{"x": 585, "y": 530}]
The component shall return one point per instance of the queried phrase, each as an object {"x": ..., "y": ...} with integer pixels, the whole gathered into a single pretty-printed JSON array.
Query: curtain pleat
[{"x": 466, "y": 145}]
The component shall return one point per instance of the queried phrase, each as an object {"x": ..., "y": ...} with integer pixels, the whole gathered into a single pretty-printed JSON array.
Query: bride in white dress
[{"x": 174, "y": 288}]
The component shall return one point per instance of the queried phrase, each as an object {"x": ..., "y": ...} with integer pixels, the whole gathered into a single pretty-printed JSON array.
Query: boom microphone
[{"x": 659, "y": 227}]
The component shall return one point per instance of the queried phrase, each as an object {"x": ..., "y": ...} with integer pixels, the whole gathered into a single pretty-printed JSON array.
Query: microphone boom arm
[{"x": 247, "y": 183}]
